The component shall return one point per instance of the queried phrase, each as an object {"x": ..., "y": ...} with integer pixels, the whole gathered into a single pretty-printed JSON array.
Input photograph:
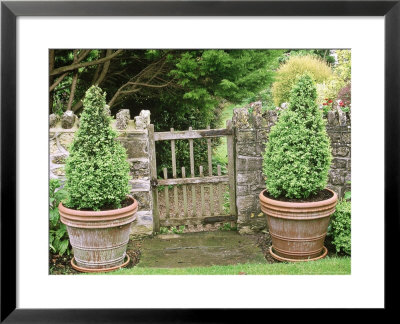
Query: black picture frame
[{"x": 10, "y": 10}]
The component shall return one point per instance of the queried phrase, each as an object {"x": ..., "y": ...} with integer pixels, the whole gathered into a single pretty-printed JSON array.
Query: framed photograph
[{"x": 34, "y": 34}]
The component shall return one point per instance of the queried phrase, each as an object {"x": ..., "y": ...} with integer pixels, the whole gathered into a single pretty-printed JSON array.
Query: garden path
[{"x": 199, "y": 249}]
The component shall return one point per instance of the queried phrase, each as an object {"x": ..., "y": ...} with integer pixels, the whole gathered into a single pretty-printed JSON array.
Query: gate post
[
  {"x": 153, "y": 179},
  {"x": 251, "y": 129},
  {"x": 134, "y": 136},
  {"x": 230, "y": 143}
]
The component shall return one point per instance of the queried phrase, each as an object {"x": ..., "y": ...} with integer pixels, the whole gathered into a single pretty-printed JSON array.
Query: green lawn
[{"x": 327, "y": 266}]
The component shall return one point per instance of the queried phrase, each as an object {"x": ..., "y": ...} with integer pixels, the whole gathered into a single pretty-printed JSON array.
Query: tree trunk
[
  {"x": 51, "y": 78},
  {"x": 73, "y": 85},
  {"x": 97, "y": 77}
]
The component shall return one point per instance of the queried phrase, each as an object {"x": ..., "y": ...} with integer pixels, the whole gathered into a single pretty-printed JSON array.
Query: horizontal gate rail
[
  {"x": 197, "y": 220},
  {"x": 197, "y": 180},
  {"x": 191, "y": 134}
]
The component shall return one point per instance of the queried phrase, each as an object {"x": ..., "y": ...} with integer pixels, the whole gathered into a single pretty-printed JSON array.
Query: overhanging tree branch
[
  {"x": 149, "y": 72},
  {"x": 84, "y": 64},
  {"x": 148, "y": 85},
  {"x": 80, "y": 57}
]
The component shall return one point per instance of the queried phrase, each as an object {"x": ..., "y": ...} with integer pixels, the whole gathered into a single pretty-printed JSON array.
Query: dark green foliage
[
  {"x": 204, "y": 78},
  {"x": 58, "y": 240},
  {"x": 339, "y": 230},
  {"x": 197, "y": 81},
  {"x": 297, "y": 157},
  {"x": 97, "y": 171}
]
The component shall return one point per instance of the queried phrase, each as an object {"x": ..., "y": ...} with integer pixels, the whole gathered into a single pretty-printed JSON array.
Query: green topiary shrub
[
  {"x": 298, "y": 154},
  {"x": 97, "y": 171},
  {"x": 295, "y": 66},
  {"x": 339, "y": 230}
]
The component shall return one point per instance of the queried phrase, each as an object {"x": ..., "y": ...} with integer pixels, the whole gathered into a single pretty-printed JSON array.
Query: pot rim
[
  {"x": 290, "y": 204},
  {"x": 89, "y": 213}
]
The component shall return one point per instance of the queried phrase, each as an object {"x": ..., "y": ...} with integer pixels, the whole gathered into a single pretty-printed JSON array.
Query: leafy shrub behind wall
[{"x": 295, "y": 66}]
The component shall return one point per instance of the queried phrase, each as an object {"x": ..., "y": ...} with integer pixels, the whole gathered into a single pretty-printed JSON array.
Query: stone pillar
[
  {"x": 339, "y": 130},
  {"x": 251, "y": 129},
  {"x": 135, "y": 138}
]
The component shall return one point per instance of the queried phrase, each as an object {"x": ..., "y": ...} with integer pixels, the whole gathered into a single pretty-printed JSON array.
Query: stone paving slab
[{"x": 199, "y": 249}]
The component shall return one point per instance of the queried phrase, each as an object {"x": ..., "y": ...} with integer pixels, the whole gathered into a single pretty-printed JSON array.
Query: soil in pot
[{"x": 319, "y": 196}]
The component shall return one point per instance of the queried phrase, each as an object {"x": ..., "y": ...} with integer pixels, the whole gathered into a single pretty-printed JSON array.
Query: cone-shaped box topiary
[
  {"x": 296, "y": 164},
  {"x": 298, "y": 155},
  {"x": 98, "y": 212},
  {"x": 97, "y": 169}
]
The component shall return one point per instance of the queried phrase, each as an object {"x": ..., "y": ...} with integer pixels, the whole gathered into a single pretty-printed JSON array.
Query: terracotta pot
[
  {"x": 99, "y": 238},
  {"x": 298, "y": 230}
]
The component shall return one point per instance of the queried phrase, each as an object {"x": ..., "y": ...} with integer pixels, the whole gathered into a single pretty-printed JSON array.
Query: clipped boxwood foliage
[
  {"x": 295, "y": 66},
  {"x": 298, "y": 154},
  {"x": 339, "y": 230},
  {"x": 97, "y": 171}
]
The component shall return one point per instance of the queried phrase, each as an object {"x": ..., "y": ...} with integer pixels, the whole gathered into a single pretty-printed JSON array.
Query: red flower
[
  {"x": 324, "y": 103},
  {"x": 330, "y": 101}
]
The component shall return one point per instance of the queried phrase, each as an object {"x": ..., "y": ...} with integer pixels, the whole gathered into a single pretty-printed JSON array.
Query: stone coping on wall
[
  {"x": 123, "y": 122},
  {"x": 131, "y": 128}
]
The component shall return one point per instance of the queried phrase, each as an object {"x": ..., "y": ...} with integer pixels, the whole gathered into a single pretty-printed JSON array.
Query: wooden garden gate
[{"x": 193, "y": 200}]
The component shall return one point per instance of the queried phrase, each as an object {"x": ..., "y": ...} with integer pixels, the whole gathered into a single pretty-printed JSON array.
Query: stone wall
[
  {"x": 251, "y": 130},
  {"x": 339, "y": 131},
  {"x": 133, "y": 134},
  {"x": 251, "y": 127}
]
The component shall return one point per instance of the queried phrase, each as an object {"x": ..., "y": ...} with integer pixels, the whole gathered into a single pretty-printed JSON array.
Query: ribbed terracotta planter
[
  {"x": 99, "y": 238},
  {"x": 298, "y": 230}
]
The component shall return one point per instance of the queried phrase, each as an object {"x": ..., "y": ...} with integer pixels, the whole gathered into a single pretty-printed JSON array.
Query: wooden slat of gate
[
  {"x": 185, "y": 205},
  {"x": 209, "y": 149},
  {"x": 153, "y": 164},
  {"x": 220, "y": 200},
  {"x": 201, "y": 191},
  {"x": 174, "y": 174},
  {"x": 192, "y": 175},
  {"x": 166, "y": 193}
]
